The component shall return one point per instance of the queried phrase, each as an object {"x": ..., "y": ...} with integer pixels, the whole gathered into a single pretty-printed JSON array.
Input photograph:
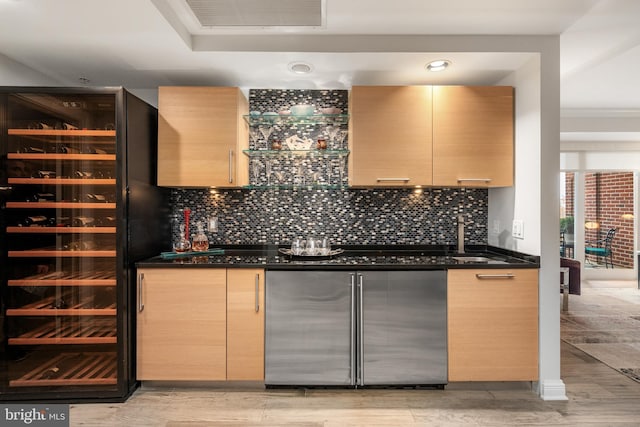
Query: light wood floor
[{"x": 598, "y": 396}]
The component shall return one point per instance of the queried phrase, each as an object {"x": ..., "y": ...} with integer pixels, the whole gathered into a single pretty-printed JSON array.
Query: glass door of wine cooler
[{"x": 60, "y": 216}]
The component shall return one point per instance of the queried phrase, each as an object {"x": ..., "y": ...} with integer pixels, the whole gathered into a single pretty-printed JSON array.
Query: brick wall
[
  {"x": 609, "y": 196},
  {"x": 569, "y": 185}
]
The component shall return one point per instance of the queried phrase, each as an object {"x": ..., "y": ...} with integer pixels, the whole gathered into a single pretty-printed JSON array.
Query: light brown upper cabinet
[
  {"x": 201, "y": 135},
  {"x": 473, "y": 136},
  {"x": 390, "y": 136}
]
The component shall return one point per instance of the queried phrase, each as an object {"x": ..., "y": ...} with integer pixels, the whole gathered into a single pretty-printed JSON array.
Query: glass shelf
[
  {"x": 284, "y": 153},
  {"x": 326, "y": 119}
]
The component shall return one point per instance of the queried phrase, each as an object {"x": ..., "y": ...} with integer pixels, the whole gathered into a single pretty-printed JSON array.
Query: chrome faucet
[{"x": 460, "y": 234}]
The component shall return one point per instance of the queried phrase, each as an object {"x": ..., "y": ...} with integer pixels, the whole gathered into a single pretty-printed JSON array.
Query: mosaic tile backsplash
[
  {"x": 385, "y": 216},
  {"x": 346, "y": 216}
]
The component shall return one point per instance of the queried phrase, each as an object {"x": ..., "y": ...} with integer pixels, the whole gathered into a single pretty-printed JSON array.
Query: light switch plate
[
  {"x": 517, "y": 230},
  {"x": 213, "y": 224}
]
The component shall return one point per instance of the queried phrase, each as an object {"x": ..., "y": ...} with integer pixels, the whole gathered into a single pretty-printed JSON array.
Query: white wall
[
  {"x": 522, "y": 201},
  {"x": 13, "y": 73},
  {"x": 535, "y": 199}
]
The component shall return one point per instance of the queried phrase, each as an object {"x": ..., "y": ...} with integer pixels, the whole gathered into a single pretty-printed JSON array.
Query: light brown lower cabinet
[
  {"x": 200, "y": 324},
  {"x": 245, "y": 324},
  {"x": 493, "y": 325}
]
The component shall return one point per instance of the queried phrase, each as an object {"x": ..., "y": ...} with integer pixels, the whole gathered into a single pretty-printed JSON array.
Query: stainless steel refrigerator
[{"x": 355, "y": 328}]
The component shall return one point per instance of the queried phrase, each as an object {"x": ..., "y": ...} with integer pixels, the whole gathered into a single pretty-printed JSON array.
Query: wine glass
[
  {"x": 340, "y": 139},
  {"x": 325, "y": 246},
  {"x": 332, "y": 131},
  {"x": 255, "y": 170},
  {"x": 254, "y": 136},
  {"x": 267, "y": 168},
  {"x": 266, "y": 132},
  {"x": 342, "y": 165}
]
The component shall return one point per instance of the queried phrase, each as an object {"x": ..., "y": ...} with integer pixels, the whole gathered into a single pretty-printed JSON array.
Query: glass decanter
[
  {"x": 200, "y": 240},
  {"x": 182, "y": 244}
]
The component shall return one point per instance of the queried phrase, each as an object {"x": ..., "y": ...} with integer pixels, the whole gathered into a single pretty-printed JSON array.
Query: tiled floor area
[{"x": 598, "y": 396}]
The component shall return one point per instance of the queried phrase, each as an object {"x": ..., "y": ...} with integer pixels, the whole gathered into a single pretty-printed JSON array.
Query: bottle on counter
[
  {"x": 200, "y": 240},
  {"x": 182, "y": 244}
]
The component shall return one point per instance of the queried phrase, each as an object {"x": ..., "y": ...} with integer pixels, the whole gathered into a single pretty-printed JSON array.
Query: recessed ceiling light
[
  {"x": 439, "y": 65},
  {"x": 300, "y": 67}
]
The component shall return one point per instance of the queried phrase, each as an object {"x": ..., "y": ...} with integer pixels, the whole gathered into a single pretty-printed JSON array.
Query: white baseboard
[{"x": 552, "y": 390}]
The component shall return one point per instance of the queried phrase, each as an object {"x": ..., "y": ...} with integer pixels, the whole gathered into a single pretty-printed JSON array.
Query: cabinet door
[
  {"x": 200, "y": 137},
  {"x": 493, "y": 325},
  {"x": 181, "y": 324},
  {"x": 473, "y": 136},
  {"x": 245, "y": 324},
  {"x": 390, "y": 136}
]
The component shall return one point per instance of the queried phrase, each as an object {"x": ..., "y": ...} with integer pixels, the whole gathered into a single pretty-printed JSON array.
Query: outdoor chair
[{"x": 601, "y": 248}]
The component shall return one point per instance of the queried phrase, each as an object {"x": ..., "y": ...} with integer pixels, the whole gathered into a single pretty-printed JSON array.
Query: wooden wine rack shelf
[
  {"x": 62, "y": 132},
  {"x": 72, "y": 369},
  {"x": 62, "y": 230},
  {"x": 63, "y": 278},
  {"x": 94, "y": 331},
  {"x": 59, "y": 205},
  {"x": 61, "y": 254},
  {"x": 60, "y": 156},
  {"x": 63, "y": 181},
  {"x": 46, "y": 307}
]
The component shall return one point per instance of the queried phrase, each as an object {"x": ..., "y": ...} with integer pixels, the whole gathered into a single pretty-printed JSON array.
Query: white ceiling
[{"x": 141, "y": 44}]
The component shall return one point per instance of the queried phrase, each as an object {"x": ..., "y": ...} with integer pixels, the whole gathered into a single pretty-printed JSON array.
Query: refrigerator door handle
[
  {"x": 360, "y": 332},
  {"x": 353, "y": 329}
]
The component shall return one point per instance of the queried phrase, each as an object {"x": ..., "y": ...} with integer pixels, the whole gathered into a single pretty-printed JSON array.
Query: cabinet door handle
[
  {"x": 140, "y": 302},
  {"x": 230, "y": 166},
  {"x": 496, "y": 276},
  {"x": 393, "y": 179},
  {"x": 257, "y": 293},
  {"x": 474, "y": 179}
]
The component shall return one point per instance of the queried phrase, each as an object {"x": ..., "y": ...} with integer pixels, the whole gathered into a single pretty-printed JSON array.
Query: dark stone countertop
[{"x": 365, "y": 257}]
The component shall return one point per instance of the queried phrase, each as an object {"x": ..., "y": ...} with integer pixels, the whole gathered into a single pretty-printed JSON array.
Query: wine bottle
[
  {"x": 41, "y": 197},
  {"x": 83, "y": 174},
  {"x": 30, "y": 149},
  {"x": 44, "y": 174},
  {"x": 50, "y": 373},
  {"x": 89, "y": 149},
  {"x": 100, "y": 198},
  {"x": 106, "y": 221},
  {"x": 83, "y": 221},
  {"x": 65, "y": 149},
  {"x": 37, "y": 220},
  {"x": 63, "y": 221}
]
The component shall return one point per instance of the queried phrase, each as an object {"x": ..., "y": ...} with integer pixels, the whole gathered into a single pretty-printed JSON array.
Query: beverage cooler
[{"x": 78, "y": 207}]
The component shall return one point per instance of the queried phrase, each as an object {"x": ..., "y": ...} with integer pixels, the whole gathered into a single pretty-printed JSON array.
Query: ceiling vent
[{"x": 257, "y": 13}]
